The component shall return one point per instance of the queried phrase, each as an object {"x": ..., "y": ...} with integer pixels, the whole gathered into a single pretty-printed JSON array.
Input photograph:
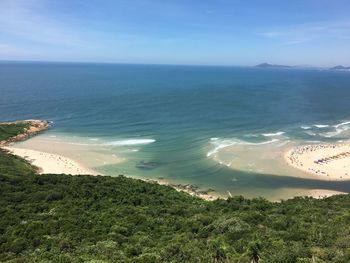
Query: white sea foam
[
  {"x": 321, "y": 125},
  {"x": 333, "y": 130},
  {"x": 338, "y": 130},
  {"x": 273, "y": 134},
  {"x": 330, "y": 134},
  {"x": 251, "y": 135},
  {"x": 129, "y": 142},
  {"x": 220, "y": 144},
  {"x": 262, "y": 143},
  {"x": 305, "y": 127},
  {"x": 310, "y": 133},
  {"x": 341, "y": 124},
  {"x": 94, "y": 139}
]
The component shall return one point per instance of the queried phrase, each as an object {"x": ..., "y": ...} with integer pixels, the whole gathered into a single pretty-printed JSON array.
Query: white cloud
[
  {"x": 3, "y": 46},
  {"x": 27, "y": 20},
  {"x": 298, "y": 34}
]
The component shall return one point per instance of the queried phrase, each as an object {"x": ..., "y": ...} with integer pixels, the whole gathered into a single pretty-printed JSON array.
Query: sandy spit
[{"x": 51, "y": 163}]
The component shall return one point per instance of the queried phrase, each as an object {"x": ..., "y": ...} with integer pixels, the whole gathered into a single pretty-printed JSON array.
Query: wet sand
[
  {"x": 50, "y": 162},
  {"x": 321, "y": 193},
  {"x": 207, "y": 195},
  {"x": 56, "y": 156},
  {"x": 89, "y": 156},
  {"x": 272, "y": 159}
]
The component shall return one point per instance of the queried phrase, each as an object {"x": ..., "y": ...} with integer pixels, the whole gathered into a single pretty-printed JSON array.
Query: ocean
[{"x": 220, "y": 128}]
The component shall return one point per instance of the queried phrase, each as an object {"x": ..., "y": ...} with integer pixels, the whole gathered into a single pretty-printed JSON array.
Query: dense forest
[{"x": 63, "y": 218}]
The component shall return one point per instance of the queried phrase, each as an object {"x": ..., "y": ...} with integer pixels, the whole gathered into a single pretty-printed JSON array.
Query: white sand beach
[
  {"x": 325, "y": 161},
  {"x": 56, "y": 156},
  {"x": 317, "y": 193},
  {"x": 322, "y": 193},
  {"x": 59, "y": 164},
  {"x": 51, "y": 163},
  {"x": 87, "y": 155}
]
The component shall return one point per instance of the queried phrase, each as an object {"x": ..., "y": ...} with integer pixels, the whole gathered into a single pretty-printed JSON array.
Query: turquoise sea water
[{"x": 173, "y": 121}]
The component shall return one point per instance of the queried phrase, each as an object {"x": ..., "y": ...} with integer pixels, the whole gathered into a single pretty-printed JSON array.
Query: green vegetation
[
  {"x": 62, "y": 218},
  {"x": 12, "y": 129}
]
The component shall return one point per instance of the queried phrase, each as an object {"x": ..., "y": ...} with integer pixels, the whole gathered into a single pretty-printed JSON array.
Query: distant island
[
  {"x": 267, "y": 65},
  {"x": 340, "y": 67}
]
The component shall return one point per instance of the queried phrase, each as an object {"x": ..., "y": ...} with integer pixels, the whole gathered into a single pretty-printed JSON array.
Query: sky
[{"x": 203, "y": 32}]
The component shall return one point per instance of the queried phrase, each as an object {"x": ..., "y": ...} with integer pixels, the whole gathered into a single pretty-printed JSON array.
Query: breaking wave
[
  {"x": 320, "y": 126},
  {"x": 273, "y": 134},
  {"x": 223, "y": 143},
  {"x": 305, "y": 127},
  {"x": 341, "y": 124},
  {"x": 129, "y": 142}
]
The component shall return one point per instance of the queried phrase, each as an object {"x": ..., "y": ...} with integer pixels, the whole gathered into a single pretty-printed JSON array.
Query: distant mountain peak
[
  {"x": 340, "y": 67},
  {"x": 267, "y": 65}
]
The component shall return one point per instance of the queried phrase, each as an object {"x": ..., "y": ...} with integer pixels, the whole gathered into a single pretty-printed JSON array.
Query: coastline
[
  {"x": 45, "y": 162},
  {"x": 329, "y": 162},
  {"x": 321, "y": 193},
  {"x": 193, "y": 190},
  {"x": 34, "y": 127},
  {"x": 51, "y": 162}
]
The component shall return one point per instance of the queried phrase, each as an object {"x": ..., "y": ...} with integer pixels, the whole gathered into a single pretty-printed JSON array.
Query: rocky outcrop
[{"x": 34, "y": 127}]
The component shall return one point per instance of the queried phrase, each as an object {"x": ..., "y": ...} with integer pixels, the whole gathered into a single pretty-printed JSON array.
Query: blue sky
[{"x": 217, "y": 32}]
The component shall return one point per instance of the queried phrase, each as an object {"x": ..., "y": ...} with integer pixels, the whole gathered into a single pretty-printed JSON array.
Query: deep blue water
[{"x": 181, "y": 108}]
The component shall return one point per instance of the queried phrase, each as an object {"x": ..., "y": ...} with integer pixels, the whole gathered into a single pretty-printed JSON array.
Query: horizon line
[{"x": 159, "y": 64}]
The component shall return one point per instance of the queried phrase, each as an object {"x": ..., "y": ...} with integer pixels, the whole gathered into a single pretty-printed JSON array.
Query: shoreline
[
  {"x": 187, "y": 188},
  {"x": 52, "y": 163},
  {"x": 321, "y": 193},
  {"x": 34, "y": 127},
  {"x": 328, "y": 162},
  {"x": 49, "y": 163}
]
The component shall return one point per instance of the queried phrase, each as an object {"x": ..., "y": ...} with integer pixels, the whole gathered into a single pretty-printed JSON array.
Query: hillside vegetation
[
  {"x": 63, "y": 218},
  {"x": 12, "y": 129}
]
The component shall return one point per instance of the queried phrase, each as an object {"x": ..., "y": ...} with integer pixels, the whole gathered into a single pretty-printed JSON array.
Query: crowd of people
[
  {"x": 331, "y": 158},
  {"x": 320, "y": 154}
]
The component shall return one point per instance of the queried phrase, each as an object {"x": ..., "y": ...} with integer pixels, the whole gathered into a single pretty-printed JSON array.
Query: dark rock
[{"x": 147, "y": 165}]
